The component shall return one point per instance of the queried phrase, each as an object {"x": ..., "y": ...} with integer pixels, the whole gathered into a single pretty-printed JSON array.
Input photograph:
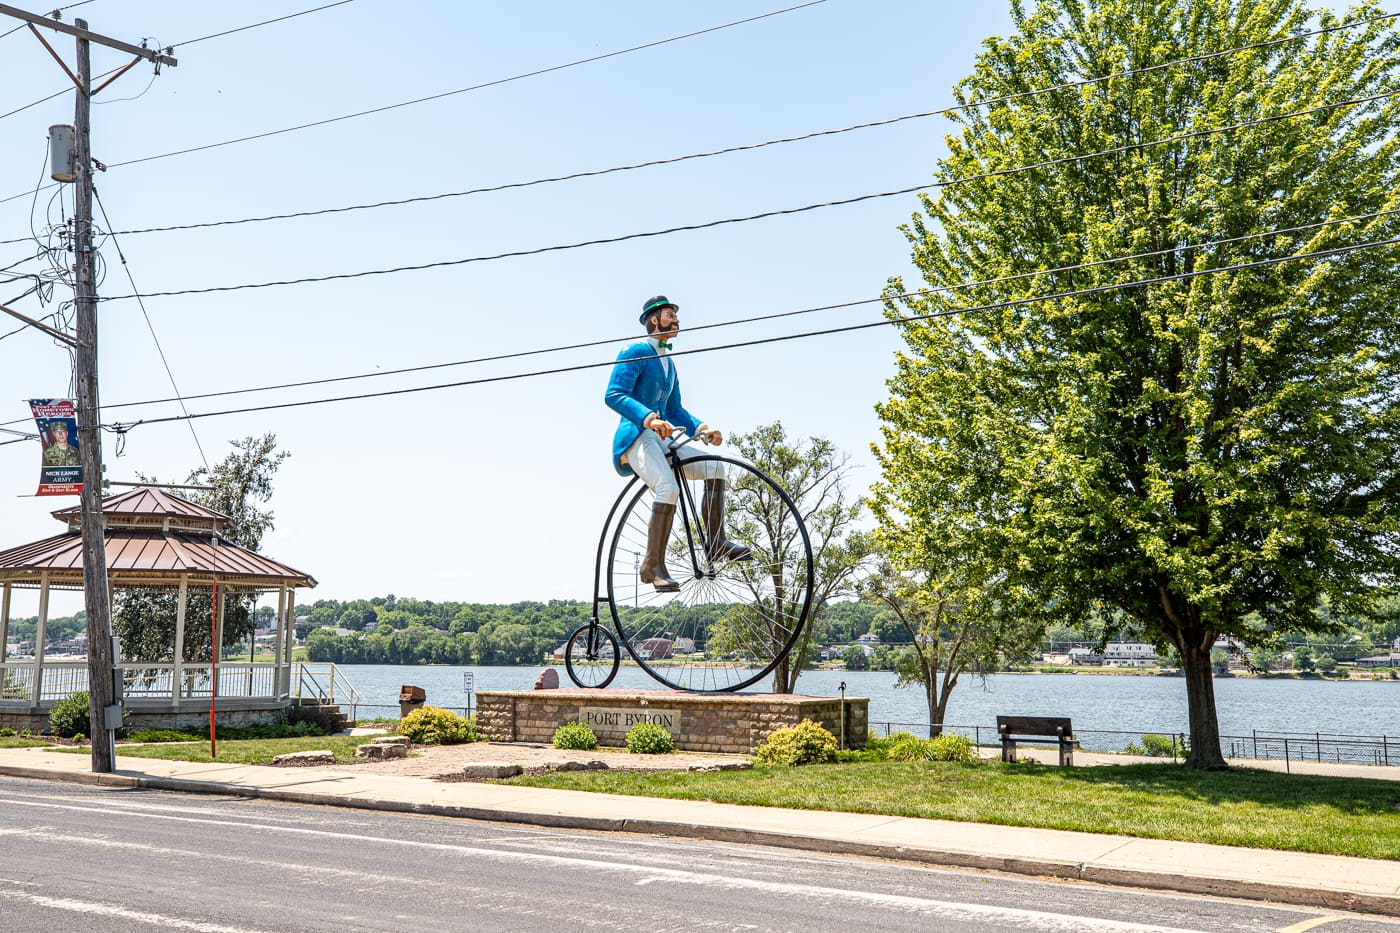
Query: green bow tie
[{"x": 662, "y": 345}]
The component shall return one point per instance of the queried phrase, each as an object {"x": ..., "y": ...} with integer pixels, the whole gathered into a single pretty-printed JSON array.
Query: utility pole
[{"x": 102, "y": 673}]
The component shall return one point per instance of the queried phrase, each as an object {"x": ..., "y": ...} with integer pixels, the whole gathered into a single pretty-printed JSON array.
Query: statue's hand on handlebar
[
  {"x": 660, "y": 425},
  {"x": 710, "y": 435}
]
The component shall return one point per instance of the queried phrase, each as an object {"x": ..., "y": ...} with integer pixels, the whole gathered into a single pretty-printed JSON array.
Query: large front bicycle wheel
[
  {"x": 591, "y": 656},
  {"x": 733, "y": 622}
]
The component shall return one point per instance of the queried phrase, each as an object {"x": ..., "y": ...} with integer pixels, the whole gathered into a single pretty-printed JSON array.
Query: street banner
[{"x": 62, "y": 471}]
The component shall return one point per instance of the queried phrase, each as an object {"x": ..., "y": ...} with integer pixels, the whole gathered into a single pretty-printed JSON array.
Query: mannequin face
[{"x": 668, "y": 324}]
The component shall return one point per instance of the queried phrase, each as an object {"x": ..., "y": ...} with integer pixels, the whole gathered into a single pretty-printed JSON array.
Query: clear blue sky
[{"x": 488, "y": 493}]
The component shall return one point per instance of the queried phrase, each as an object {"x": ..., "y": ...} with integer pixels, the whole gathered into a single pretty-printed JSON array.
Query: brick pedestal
[{"x": 733, "y": 723}]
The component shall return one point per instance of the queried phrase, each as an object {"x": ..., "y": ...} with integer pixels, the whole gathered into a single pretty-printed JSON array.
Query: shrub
[
  {"x": 69, "y": 716},
  {"x": 164, "y": 735},
  {"x": 575, "y": 735},
  {"x": 79, "y": 737},
  {"x": 909, "y": 748},
  {"x": 952, "y": 747},
  {"x": 6, "y": 733},
  {"x": 802, "y": 744},
  {"x": 647, "y": 738},
  {"x": 430, "y": 725}
]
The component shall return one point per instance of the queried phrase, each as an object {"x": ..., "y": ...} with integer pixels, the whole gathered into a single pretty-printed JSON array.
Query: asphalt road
[{"x": 75, "y": 858}]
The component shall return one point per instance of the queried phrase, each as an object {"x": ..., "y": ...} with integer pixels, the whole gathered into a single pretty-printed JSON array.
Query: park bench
[{"x": 1038, "y": 729}]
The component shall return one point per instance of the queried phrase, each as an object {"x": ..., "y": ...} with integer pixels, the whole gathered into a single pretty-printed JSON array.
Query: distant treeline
[{"x": 390, "y": 630}]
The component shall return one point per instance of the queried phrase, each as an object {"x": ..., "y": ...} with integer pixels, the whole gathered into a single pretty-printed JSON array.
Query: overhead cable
[
  {"x": 941, "y": 289},
  {"x": 843, "y": 329},
  {"x": 54, "y": 16},
  {"x": 446, "y": 263},
  {"x": 266, "y": 22},
  {"x": 1293, "y": 37},
  {"x": 149, "y": 326},
  {"x": 474, "y": 87}
]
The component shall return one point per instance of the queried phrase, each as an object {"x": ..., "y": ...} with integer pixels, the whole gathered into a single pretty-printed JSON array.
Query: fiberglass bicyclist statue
[{"x": 644, "y": 390}]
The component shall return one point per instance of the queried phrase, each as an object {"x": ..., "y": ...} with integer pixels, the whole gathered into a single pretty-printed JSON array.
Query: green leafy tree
[
  {"x": 145, "y": 618},
  {"x": 854, "y": 658},
  {"x": 1210, "y": 453},
  {"x": 952, "y": 622},
  {"x": 1303, "y": 659},
  {"x": 815, "y": 474}
]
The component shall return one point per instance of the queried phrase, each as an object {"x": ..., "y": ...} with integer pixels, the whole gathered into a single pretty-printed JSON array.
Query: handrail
[{"x": 309, "y": 678}]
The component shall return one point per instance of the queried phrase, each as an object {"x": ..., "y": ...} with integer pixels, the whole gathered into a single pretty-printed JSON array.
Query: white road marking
[
  {"x": 111, "y": 910},
  {"x": 1011, "y": 916}
]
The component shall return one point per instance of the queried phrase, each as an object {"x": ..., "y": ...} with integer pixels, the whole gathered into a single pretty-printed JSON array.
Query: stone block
[
  {"x": 490, "y": 772},
  {"x": 303, "y": 759},
  {"x": 382, "y": 750}
]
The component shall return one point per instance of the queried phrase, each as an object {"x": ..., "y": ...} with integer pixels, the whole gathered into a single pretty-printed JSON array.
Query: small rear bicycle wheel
[
  {"x": 591, "y": 656},
  {"x": 733, "y": 622}
]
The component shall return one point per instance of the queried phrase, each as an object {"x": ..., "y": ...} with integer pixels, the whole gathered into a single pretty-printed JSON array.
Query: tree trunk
[
  {"x": 1200, "y": 701},
  {"x": 935, "y": 707}
]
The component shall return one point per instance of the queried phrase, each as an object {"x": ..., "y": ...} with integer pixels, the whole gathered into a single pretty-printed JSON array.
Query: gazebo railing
[{"x": 144, "y": 681}]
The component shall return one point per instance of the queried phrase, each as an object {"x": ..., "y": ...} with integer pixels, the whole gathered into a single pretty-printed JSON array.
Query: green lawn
[
  {"x": 246, "y": 751},
  {"x": 12, "y": 741},
  {"x": 1261, "y": 809}
]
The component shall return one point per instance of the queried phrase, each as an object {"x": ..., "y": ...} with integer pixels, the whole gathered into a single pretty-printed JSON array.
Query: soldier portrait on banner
[{"x": 61, "y": 473}]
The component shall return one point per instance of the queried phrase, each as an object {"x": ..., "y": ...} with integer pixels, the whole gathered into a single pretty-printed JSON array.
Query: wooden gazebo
[{"x": 154, "y": 540}]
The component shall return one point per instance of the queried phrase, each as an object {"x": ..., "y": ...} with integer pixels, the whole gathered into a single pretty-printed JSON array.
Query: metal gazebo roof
[{"x": 153, "y": 538}]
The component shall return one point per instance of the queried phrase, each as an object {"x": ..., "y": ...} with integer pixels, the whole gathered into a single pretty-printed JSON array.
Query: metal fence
[
  {"x": 1303, "y": 752},
  {"x": 371, "y": 710}
]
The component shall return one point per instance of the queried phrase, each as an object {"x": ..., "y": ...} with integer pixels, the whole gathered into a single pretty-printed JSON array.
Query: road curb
[{"x": 1065, "y": 869}]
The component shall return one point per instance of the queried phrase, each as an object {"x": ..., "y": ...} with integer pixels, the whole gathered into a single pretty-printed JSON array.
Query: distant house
[
  {"x": 1379, "y": 660},
  {"x": 1129, "y": 654},
  {"x": 653, "y": 649},
  {"x": 1086, "y": 656}
]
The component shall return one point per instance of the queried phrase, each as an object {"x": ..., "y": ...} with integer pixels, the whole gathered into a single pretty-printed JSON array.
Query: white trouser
[{"x": 647, "y": 457}]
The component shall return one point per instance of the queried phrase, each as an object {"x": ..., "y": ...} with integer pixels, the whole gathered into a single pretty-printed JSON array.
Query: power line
[
  {"x": 732, "y": 149},
  {"x": 447, "y": 263},
  {"x": 53, "y": 16},
  {"x": 1016, "y": 302},
  {"x": 979, "y": 283},
  {"x": 266, "y": 22},
  {"x": 474, "y": 87},
  {"x": 149, "y": 326},
  {"x": 226, "y": 32},
  {"x": 849, "y": 328}
]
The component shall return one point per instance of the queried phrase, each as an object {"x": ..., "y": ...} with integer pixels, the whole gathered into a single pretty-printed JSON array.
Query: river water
[{"x": 1094, "y": 702}]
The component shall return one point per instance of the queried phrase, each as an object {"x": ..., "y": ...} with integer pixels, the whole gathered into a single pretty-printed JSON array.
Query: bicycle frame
[{"x": 687, "y": 509}]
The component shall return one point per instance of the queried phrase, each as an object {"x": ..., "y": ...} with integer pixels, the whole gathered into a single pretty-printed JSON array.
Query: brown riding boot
[
  {"x": 712, "y": 510},
  {"x": 653, "y": 569}
]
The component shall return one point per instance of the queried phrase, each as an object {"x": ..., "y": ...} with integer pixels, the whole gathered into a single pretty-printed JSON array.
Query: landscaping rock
[
  {"x": 486, "y": 772},
  {"x": 304, "y": 759},
  {"x": 594, "y": 765},
  {"x": 379, "y": 751},
  {"x": 548, "y": 679},
  {"x": 727, "y": 766},
  {"x": 389, "y": 740}
]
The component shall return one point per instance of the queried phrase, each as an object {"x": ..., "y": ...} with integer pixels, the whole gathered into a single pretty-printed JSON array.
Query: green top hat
[{"x": 654, "y": 305}]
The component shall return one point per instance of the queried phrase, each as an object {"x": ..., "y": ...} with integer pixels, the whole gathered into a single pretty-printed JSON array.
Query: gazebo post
[
  {"x": 40, "y": 636},
  {"x": 177, "y": 681},
  {"x": 4, "y": 621},
  {"x": 279, "y": 641}
]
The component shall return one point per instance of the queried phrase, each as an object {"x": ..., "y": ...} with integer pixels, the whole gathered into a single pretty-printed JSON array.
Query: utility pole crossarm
[
  {"x": 51, "y": 331},
  {"x": 151, "y": 55}
]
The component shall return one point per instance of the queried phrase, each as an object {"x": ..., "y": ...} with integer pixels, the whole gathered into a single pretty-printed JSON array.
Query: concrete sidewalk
[{"x": 1325, "y": 881}]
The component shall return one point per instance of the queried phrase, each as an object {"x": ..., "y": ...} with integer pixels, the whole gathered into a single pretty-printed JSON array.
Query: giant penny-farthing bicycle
[{"x": 733, "y": 621}]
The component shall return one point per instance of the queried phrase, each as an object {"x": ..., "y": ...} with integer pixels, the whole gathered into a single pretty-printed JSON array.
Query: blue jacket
[{"x": 639, "y": 386}]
